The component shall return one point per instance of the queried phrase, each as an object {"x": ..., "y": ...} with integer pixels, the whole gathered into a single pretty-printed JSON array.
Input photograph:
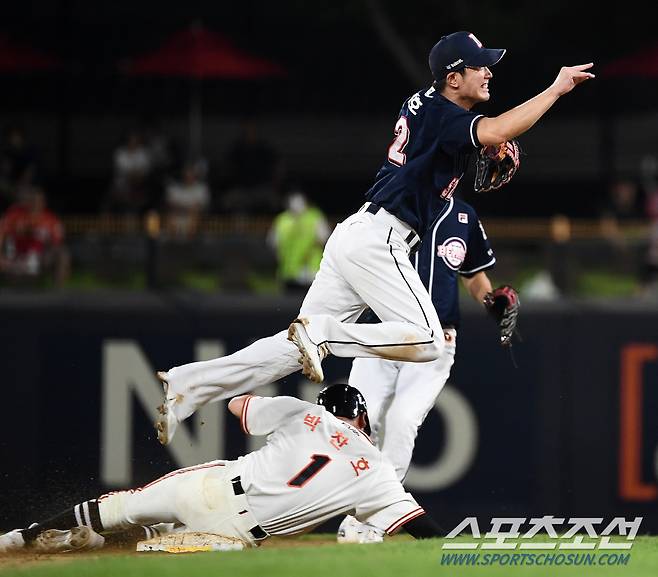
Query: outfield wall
[{"x": 573, "y": 431}]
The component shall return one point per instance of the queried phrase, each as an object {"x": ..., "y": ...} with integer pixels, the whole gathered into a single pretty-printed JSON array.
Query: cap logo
[
  {"x": 474, "y": 39},
  {"x": 453, "y": 64}
]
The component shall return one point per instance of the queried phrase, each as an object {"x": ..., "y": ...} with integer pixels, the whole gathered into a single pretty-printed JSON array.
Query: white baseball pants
[
  {"x": 365, "y": 264},
  {"x": 399, "y": 395},
  {"x": 201, "y": 498}
]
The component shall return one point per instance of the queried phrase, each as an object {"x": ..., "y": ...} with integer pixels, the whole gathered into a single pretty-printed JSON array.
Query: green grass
[
  {"x": 588, "y": 283},
  {"x": 86, "y": 280},
  {"x": 205, "y": 282},
  {"x": 313, "y": 557},
  {"x": 606, "y": 284}
]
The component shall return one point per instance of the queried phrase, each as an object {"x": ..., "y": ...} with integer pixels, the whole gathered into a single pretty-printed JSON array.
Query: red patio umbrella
[
  {"x": 16, "y": 57},
  {"x": 198, "y": 53},
  {"x": 643, "y": 63},
  {"x": 641, "y": 66}
]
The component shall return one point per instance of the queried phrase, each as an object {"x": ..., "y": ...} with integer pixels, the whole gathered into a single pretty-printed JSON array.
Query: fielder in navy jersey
[
  {"x": 434, "y": 140},
  {"x": 456, "y": 246},
  {"x": 399, "y": 394},
  {"x": 365, "y": 263}
]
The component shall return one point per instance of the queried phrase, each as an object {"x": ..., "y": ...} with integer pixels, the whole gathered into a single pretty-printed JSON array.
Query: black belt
[
  {"x": 256, "y": 531},
  {"x": 412, "y": 239},
  {"x": 373, "y": 208}
]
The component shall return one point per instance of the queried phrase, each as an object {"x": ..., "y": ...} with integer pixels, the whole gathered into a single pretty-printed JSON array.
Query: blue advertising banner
[{"x": 564, "y": 427}]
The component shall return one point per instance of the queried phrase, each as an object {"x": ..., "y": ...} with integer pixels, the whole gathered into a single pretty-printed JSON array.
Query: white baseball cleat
[
  {"x": 353, "y": 531},
  {"x": 76, "y": 539},
  {"x": 12, "y": 541},
  {"x": 312, "y": 354},
  {"x": 167, "y": 421}
]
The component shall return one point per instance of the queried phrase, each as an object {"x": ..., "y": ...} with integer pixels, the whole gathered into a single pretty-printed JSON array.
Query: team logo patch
[
  {"x": 453, "y": 252},
  {"x": 463, "y": 217}
]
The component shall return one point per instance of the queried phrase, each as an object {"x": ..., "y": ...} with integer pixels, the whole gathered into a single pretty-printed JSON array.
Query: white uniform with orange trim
[
  {"x": 316, "y": 466},
  {"x": 313, "y": 467}
]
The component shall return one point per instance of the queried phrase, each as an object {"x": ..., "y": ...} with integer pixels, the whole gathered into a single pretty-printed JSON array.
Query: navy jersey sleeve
[
  {"x": 479, "y": 255},
  {"x": 458, "y": 130}
]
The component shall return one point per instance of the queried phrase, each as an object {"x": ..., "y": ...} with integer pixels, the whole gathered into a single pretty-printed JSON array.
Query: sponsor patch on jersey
[
  {"x": 453, "y": 64},
  {"x": 463, "y": 217},
  {"x": 453, "y": 252},
  {"x": 446, "y": 193}
]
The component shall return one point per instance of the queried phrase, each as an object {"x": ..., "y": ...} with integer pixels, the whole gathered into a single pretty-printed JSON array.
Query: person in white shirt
[
  {"x": 129, "y": 191},
  {"x": 186, "y": 201},
  {"x": 319, "y": 462}
]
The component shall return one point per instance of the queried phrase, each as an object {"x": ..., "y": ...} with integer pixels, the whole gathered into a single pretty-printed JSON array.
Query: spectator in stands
[
  {"x": 186, "y": 199},
  {"x": 162, "y": 150},
  {"x": 621, "y": 207},
  {"x": 298, "y": 236},
  {"x": 164, "y": 159},
  {"x": 32, "y": 241},
  {"x": 255, "y": 171},
  {"x": 18, "y": 165},
  {"x": 635, "y": 203},
  {"x": 620, "y": 212},
  {"x": 129, "y": 191}
]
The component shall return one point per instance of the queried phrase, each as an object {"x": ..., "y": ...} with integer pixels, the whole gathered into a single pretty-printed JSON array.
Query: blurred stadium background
[{"x": 165, "y": 139}]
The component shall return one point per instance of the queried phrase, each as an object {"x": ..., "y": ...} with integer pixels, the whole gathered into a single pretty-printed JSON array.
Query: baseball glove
[
  {"x": 503, "y": 306},
  {"x": 496, "y": 165}
]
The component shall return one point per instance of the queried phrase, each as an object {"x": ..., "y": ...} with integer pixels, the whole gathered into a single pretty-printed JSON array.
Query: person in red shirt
[{"x": 32, "y": 240}]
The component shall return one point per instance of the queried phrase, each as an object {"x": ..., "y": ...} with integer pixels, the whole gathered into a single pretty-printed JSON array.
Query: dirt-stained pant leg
[
  {"x": 364, "y": 264},
  {"x": 376, "y": 379},
  {"x": 200, "y": 497},
  {"x": 401, "y": 395},
  {"x": 263, "y": 362},
  {"x": 266, "y": 360},
  {"x": 373, "y": 260}
]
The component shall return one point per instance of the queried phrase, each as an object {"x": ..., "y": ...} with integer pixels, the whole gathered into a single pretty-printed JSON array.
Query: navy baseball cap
[{"x": 458, "y": 50}]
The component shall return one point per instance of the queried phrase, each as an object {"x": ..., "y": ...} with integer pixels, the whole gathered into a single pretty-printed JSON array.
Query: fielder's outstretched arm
[{"x": 514, "y": 122}]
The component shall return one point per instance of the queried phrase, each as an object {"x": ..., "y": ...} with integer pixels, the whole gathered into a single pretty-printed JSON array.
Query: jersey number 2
[
  {"x": 318, "y": 462},
  {"x": 396, "y": 151}
]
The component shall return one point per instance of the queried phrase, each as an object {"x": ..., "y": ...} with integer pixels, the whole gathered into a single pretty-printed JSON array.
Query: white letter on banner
[{"x": 126, "y": 372}]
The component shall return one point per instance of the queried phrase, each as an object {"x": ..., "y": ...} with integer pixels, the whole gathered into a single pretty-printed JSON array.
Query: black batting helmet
[{"x": 344, "y": 401}]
